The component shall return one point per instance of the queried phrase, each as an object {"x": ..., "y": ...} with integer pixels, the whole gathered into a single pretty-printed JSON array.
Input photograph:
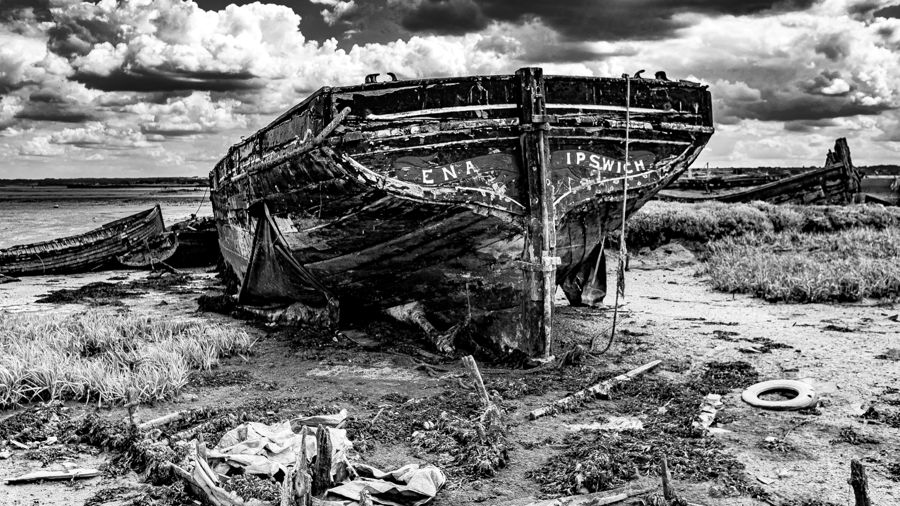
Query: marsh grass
[
  {"x": 783, "y": 253},
  {"x": 658, "y": 223},
  {"x": 106, "y": 357},
  {"x": 846, "y": 266}
]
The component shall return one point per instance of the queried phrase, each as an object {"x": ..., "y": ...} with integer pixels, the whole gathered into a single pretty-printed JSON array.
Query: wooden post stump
[
  {"x": 321, "y": 480},
  {"x": 860, "y": 483}
]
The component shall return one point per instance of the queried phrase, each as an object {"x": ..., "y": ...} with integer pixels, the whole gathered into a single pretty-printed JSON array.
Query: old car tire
[{"x": 806, "y": 396}]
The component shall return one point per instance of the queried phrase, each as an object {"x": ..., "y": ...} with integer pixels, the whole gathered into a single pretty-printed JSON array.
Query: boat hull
[
  {"x": 87, "y": 251},
  {"x": 838, "y": 182},
  {"x": 425, "y": 194}
]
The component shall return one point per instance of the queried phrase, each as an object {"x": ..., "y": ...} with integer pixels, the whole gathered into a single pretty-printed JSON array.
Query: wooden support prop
[
  {"x": 860, "y": 483},
  {"x": 469, "y": 362},
  {"x": 669, "y": 492},
  {"x": 600, "y": 390},
  {"x": 321, "y": 480},
  {"x": 596, "y": 499},
  {"x": 540, "y": 240}
]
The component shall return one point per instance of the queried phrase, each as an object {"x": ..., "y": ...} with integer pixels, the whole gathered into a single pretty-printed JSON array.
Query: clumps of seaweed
[
  {"x": 723, "y": 377},
  {"x": 131, "y": 450},
  {"x": 163, "y": 495},
  {"x": 220, "y": 378},
  {"x": 101, "y": 293},
  {"x": 850, "y": 436},
  {"x": 765, "y": 345},
  {"x": 510, "y": 386},
  {"x": 36, "y": 423},
  {"x": 445, "y": 427},
  {"x": 221, "y": 303},
  {"x": 595, "y": 461},
  {"x": 777, "y": 445},
  {"x": 887, "y": 417},
  {"x": 257, "y": 487},
  {"x": 95, "y": 294},
  {"x": 893, "y": 471}
]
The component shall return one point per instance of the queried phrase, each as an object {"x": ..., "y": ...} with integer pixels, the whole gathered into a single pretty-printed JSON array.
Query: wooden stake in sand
[
  {"x": 600, "y": 390},
  {"x": 321, "y": 480},
  {"x": 860, "y": 483},
  {"x": 302, "y": 478}
]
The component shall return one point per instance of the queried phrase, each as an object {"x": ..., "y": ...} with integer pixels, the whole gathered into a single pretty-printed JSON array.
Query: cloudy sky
[{"x": 162, "y": 87}]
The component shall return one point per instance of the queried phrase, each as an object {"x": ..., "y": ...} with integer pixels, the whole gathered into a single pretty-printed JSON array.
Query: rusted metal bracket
[{"x": 535, "y": 127}]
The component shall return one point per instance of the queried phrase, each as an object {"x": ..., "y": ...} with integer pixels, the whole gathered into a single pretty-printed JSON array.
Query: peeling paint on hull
[{"x": 420, "y": 192}]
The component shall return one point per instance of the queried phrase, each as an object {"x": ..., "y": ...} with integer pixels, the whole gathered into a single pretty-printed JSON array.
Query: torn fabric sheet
[{"x": 409, "y": 485}]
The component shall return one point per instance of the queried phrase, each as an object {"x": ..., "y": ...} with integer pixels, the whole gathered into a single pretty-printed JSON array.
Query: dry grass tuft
[
  {"x": 846, "y": 266},
  {"x": 102, "y": 356}
]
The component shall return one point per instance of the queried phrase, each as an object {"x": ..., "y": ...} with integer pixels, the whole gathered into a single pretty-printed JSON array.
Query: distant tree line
[{"x": 111, "y": 182}]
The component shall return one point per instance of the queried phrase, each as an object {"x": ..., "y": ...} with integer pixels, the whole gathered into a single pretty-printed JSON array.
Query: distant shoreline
[{"x": 124, "y": 182}]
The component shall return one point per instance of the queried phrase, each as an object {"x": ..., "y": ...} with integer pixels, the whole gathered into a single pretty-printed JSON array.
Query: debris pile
[{"x": 673, "y": 427}]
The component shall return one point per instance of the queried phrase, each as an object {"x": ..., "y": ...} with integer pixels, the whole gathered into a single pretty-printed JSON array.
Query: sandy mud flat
[{"x": 376, "y": 373}]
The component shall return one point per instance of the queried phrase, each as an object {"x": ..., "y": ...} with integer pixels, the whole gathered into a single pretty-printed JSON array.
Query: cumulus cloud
[
  {"x": 337, "y": 9},
  {"x": 98, "y": 135},
  {"x": 578, "y": 19},
  {"x": 40, "y": 146},
  {"x": 194, "y": 114}
]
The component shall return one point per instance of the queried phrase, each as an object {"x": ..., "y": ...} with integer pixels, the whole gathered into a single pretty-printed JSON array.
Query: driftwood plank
[
  {"x": 599, "y": 390},
  {"x": 596, "y": 499},
  {"x": 37, "y": 476}
]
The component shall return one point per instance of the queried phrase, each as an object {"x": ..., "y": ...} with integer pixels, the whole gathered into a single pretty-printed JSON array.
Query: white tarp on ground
[{"x": 257, "y": 448}]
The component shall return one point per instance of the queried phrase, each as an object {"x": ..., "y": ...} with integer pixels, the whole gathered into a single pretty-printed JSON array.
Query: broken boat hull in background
[
  {"x": 473, "y": 196},
  {"x": 87, "y": 251},
  {"x": 838, "y": 182}
]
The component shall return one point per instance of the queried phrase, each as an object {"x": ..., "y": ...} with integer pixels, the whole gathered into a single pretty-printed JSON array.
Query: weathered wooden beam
[
  {"x": 601, "y": 390},
  {"x": 540, "y": 239}
]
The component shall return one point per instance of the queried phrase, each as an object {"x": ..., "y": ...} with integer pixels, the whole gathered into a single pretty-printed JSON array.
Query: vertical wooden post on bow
[{"x": 539, "y": 257}]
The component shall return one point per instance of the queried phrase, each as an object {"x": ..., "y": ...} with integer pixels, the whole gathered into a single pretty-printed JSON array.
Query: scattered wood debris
[
  {"x": 39, "y": 476},
  {"x": 600, "y": 390}
]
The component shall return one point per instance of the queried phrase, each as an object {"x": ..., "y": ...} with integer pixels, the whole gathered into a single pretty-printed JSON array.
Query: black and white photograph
[{"x": 449, "y": 252}]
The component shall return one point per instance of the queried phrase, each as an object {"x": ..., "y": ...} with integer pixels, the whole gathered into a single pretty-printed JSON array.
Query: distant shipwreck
[
  {"x": 451, "y": 202},
  {"x": 838, "y": 182}
]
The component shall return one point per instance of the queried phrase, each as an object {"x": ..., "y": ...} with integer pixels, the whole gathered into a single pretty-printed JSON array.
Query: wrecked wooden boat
[
  {"x": 84, "y": 252},
  {"x": 463, "y": 201},
  {"x": 198, "y": 243},
  {"x": 838, "y": 182},
  {"x": 152, "y": 253}
]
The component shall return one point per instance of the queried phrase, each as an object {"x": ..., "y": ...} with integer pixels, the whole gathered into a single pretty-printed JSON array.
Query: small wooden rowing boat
[
  {"x": 471, "y": 198},
  {"x": 838, "y": 182},
  {"x": 151, "y": 253},
  {"x": 84, "y": 252}
]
